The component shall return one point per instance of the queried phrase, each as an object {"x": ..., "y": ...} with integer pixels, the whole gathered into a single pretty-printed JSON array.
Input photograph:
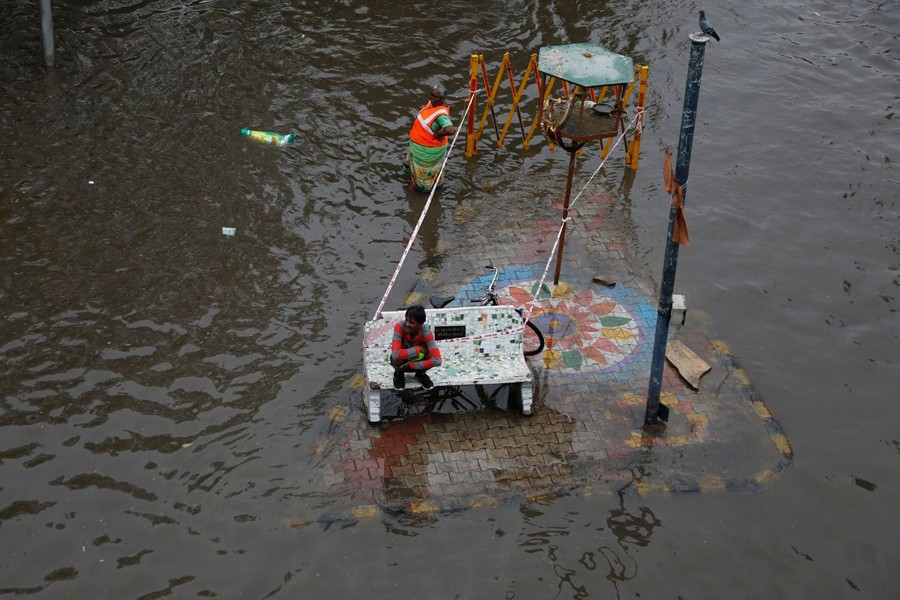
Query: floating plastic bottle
[{"x": 267, "y": 137}]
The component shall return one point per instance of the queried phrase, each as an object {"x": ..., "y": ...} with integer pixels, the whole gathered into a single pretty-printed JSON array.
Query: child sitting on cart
[{"x": 413, "y": 349}]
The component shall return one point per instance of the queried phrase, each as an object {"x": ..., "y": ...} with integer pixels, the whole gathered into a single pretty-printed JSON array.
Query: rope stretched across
[
  {"x": 412, "y": 237},
  {"x": 458, "y": 341},
  {"x": 636, "y": 122}
]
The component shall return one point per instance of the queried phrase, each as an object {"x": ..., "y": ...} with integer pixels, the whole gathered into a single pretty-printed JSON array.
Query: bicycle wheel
[{"x": 534, "y": 339}]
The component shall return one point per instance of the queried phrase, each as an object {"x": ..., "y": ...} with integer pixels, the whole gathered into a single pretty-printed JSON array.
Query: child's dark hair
[{"x": 416, "y": 313}]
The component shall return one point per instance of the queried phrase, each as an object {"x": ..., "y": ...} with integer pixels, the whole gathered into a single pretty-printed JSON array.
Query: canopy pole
[{"x": 565, "y": 217}]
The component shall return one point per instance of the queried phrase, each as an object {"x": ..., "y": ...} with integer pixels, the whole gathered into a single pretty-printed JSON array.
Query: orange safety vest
[{"x": 421, "y": 130}]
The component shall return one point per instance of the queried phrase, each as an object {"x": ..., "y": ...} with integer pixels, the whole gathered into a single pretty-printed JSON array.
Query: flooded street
[{"x": 169, "y": 394}]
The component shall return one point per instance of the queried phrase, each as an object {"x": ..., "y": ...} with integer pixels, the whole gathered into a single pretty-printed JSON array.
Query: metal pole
[
  {"x": 47, "y": 31},
  {"x": 655, "y": 411},
  {"x": 565, "y": 215}
]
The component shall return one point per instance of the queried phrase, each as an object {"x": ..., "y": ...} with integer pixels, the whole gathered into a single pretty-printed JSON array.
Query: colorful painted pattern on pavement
[{"x": 586, "y": 330}]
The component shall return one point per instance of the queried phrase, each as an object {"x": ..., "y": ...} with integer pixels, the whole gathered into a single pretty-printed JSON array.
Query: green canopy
[{"x": 585, "y": 65}]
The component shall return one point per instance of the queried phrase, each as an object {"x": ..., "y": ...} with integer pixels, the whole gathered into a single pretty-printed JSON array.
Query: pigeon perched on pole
[{"x": 706, "y": 28}]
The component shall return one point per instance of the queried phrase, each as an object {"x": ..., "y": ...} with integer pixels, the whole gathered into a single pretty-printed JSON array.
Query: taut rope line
[
  {"x": 412, "y": 237},
  {"x": 530, "y": 308}
]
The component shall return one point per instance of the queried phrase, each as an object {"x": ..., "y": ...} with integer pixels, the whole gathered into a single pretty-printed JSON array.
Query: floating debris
[{"x": 267, "y": 137}]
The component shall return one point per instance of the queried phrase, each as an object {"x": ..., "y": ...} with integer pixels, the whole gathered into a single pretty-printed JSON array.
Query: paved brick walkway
[{"x": 461, "y": 448}]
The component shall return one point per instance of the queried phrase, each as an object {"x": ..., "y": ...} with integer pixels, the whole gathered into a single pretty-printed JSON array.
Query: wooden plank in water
[{"x": 688, "y": 364}]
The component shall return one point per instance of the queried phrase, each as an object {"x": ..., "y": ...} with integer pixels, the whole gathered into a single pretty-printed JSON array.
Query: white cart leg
[
  {"x": 526, "y": 393},
  {"x": 373, "y": 401}
]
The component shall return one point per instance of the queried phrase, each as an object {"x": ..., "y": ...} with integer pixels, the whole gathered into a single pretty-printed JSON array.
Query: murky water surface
[{"x": 164, "y": 385}]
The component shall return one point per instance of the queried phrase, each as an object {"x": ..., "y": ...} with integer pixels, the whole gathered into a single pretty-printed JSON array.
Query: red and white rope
[
  {"x": 531, "y": 305},
  {"x": 412, "y": 237}
]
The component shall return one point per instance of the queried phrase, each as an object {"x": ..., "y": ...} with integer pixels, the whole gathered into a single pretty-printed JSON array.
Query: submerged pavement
[{"x": 459, "y": 448}]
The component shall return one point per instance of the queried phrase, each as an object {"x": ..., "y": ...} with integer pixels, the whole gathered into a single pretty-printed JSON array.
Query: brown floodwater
[{"x": 163, "y": 383}]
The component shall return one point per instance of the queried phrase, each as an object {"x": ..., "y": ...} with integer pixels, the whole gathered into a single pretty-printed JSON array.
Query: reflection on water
[
  {"x": 630, "y": 530},
  {"x": 615, "y": 555}
]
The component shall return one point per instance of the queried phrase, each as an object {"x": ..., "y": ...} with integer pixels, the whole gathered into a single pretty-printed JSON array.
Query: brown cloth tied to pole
[{"x": 680, "y": 233}]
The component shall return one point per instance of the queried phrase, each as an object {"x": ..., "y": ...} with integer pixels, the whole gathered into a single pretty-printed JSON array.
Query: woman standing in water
[{"x": 428, "y": 141}]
